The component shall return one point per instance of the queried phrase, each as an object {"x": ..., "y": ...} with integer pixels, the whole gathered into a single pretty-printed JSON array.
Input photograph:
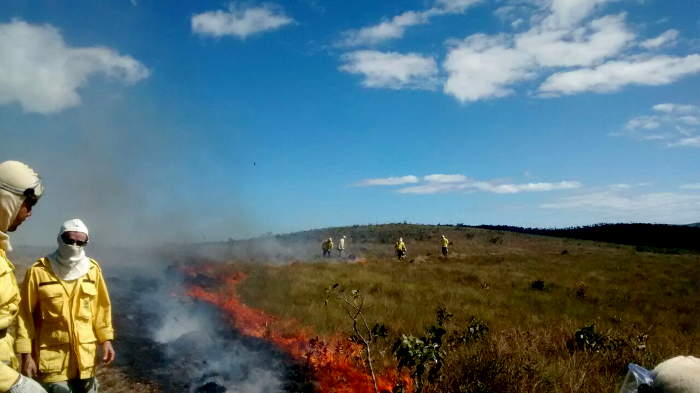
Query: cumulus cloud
[
  {"x": 392, "y": 70},
  {"x": 388, "y": 181},
  {"x": 614, "y": 75},
  {"x": 240, "y": 21},
  {"x": 667, "y": 38},
  {"x": 676, "y": 125},
  {"x": 43, "y": 74},
  {"x": 620, "y": 205},
  {"x": 584, "y": 46},
  {"x": 483, "y": 67}
]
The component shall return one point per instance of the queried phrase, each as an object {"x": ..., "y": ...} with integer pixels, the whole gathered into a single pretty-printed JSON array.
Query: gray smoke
[{"x": 185, "y": 345}]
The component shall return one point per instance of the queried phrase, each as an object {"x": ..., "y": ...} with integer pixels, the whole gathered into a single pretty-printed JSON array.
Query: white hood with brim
[{"x": 19, "y": 176}]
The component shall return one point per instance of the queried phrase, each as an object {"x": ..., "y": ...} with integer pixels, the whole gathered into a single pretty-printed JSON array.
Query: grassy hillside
[{"x": 533, "y": 292}]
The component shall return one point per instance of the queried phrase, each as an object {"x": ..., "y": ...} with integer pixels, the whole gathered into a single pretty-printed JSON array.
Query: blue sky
[{"x": 209, "y": 119}]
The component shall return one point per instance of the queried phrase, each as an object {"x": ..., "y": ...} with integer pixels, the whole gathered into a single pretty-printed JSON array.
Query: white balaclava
[
  {"x": 69, "y": 262},
  {"x": 15, "y": 177},
  {"x": 678, "y": 375}
]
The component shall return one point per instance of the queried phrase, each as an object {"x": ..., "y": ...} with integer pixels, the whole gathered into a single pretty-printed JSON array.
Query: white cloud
[
  {"x": 483, "y": 67},
  {"x": 40, "y": 72},
  {"x": 617, "y": 205},
  {"x": 667, "y": 38},
  {"x": 584, "y": 46},
  {"x": 446, "y": 178},
  {"x": 567, "y": 13},
  {"x": 675, "y": 124},
  {"x": 693, "y": 186},
  {"x": 613, "y": 75},
  {"x": 690, "y": 120},
  {"x": 388, "y": 181},
  {"x": 685, "y": 142},
  {"x": 433, "y": 188},
  {"x": 644, "y": 122},
  {"x": 392, "y": 70},
  {"x": 625, "y": 186},
  {"x": 439, "y": 183},
  {"x": 240, "y": 21},
  {"x": 676, "y": 108},
  {"x": 395, "y": 28},
  {"x": 562, "y": 36},
  {"x": 529, "y": 187},
  {"x": 456, "y": 5}
]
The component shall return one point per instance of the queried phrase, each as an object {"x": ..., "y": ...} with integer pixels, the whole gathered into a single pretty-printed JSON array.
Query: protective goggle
[
  {"x": 638, "y": 380},
  {"x": 71, "y": 242},
  {"x": 34, "y": 192}
]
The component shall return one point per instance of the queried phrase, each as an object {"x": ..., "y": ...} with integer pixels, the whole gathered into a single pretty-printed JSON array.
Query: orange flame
[{"x": 334, "y": 362}]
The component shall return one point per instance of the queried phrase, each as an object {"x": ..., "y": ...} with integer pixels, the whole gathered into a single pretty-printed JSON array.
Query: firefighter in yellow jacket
[
  {"x": 64, "y": 313},
  {"x": 400, "y": 248},
  {"x": 20, "y": 189},
  {"x": 327, "y": 248},
  {"x": 445, "y": 244}
]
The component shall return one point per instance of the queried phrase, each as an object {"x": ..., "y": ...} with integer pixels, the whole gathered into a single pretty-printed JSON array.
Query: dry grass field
[{"x": 645, "y": 307}]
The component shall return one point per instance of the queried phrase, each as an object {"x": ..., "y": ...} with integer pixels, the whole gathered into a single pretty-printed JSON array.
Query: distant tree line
[{"x": 647, "y": 237}]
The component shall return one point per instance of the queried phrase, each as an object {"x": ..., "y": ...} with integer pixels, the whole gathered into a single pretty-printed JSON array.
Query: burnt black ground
[{"x": 213, "y": 359}]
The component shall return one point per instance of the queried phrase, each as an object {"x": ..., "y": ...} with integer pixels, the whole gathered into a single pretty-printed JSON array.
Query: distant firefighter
[
  {"x": 400, "y": 249},
  {"x": 341, "y": 246},
  {"x": 327, "y": 248},
  {"x": 445, "y": 243},
  {"x": 65, "y": 312}
]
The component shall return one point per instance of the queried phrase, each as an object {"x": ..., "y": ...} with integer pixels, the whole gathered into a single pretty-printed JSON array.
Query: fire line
[{"x": 336, "y": 363}]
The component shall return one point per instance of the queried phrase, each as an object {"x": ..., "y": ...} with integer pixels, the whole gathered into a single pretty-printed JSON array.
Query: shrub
[
  {"x": 538, "y": 285},
  {"x": 588, "y": 339}
]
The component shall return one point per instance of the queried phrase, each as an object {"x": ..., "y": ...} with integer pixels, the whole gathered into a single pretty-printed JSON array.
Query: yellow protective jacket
[
  {"x": 9, "y": 304},
  {"x": 400, "y": 246},
  {"x": 55, "y": 325},
  {"x": 445, "y": 242},
  {"x": 328, "y": 245}
]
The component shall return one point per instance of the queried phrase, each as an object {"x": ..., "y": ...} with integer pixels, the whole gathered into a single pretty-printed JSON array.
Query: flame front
[{"x": 336, "y": 363}]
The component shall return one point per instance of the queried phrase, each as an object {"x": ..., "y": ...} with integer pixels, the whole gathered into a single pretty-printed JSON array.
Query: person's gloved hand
[{"x": 26, "y": 385}]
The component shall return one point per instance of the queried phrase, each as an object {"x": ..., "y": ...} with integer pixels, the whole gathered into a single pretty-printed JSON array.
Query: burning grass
[{"x": 335, "y": 364}]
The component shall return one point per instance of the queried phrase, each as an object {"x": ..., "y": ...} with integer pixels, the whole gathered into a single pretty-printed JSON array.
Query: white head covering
[
  {"x": 15, "y": 177},
  {"x": 69, "y": 262},
  {"x": 678, "y": 375}
]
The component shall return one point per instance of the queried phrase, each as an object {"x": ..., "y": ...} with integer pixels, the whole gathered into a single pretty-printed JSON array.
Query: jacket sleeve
[
  {"x": 25, "y": 321},
  {"x": 8, "y": 377},
  {"x": 103, "y": 312}
]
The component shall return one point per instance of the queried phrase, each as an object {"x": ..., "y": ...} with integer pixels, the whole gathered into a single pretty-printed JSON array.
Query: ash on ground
[{"x": 187, "y": 346}]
